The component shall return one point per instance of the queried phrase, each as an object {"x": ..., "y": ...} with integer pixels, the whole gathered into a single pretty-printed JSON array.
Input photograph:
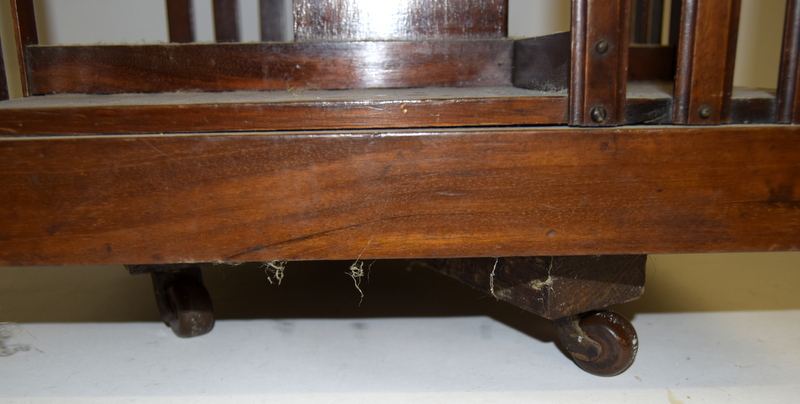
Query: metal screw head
[
  {"x": 705, "y": 111},
  {"x": 599, "y": 114},
  {"x": 601, "y": 47}
]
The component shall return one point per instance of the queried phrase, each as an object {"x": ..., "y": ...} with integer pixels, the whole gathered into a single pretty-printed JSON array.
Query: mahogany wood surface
[
  {"x": 282, "y": 110},
  {"x": 359, "y": 20},
  {"x": 24, "y": 20},
  {"x": 273, "y": 21},
  {"x": 543, "y": 63},
  {"x": 789, "y": 76},
  {"x": 552, "y": 287},
  {"x": 706, "y": 55},
  {"x": 179, "y": 21},
  {"x": 599, "y": 69},
  {"x": 226, "y": 21},
  {"x": 268, "y": 66},
  {"x": 648, "y": 103},
  {"x": 398, "y": 194}
]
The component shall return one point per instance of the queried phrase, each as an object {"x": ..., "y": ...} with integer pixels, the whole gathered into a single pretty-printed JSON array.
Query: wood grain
[
  {"x": 180, "y": 21},
  {"x": 226, "y": 21},
  {"x": 552, "y": 287},
  {"x": 360, "y": 20},
  {"x": 706, "y": 56},
  {"x": 598, "y": 78},
  {"x": 268, "y": 66},
  {"x": 789, "y": 76},
  {"x": 24, "y": 19},
  {"x": 281, "y": 110},
  {"x": 402, "y": 194}
]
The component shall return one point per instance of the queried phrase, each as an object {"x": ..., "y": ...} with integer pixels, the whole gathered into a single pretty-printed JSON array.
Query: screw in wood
[
  {"x": 599, "y": 114},
  {"x": 705, "y": 111},
  {"x": 601, "y": 47}
]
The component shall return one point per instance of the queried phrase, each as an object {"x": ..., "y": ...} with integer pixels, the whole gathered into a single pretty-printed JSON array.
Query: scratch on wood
[{"x": 160, "y": 151}]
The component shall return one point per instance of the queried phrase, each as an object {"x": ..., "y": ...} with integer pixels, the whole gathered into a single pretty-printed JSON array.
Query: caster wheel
[
  {"x": 602, "y": 343},
  {"x": 191, "y": 313},
  {"x": 183, "y": 301}
]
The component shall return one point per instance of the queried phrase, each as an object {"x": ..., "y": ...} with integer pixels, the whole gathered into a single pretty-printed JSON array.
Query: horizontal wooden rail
[
  {"x": 268, "y": 66},
  {"x": 402, "y": 194}
]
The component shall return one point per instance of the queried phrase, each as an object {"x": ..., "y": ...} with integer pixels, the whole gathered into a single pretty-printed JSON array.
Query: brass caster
[{"x": 602, "y": 343}]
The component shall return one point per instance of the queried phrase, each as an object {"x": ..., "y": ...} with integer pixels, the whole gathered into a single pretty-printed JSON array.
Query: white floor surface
[{"x": 732, "y": 357}]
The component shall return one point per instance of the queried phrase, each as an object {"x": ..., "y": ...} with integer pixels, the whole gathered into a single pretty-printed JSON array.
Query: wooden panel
[
  {"x": 273, "y": 21},
  {"x": 599, "y": 71},
  {"x": 706, "y": 55},
  {"x": 379, "y": 194},
  {"x": 281, "y": 110},
  {"x": 552, "y": 287},
  {"x": 269, "y": 66},
  {"x": 226, "y": 21},
  {"x": 788, "y": 96},
  {"x": 3, "y": 80},
  {"x": 24, "y": 19},
  {"x": 358, "y": 20},
  {"x": 179, "y": 20}
]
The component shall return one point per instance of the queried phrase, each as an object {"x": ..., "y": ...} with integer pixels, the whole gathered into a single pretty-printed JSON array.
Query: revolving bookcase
[{"x": 539, "y": 170}]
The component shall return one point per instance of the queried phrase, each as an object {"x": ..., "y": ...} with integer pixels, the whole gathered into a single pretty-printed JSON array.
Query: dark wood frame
[{"x": 411, "y": 173}]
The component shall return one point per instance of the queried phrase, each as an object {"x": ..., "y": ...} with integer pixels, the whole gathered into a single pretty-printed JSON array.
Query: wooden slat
[
  {"x": 226, "y": 21},
  {"x": 379, "y": 194},
  {"x": 647, "y": 21},
  {"x": 24, "y": 19},
  {"x": 269, "y": 66},
  {"x": 281, "y": 110},
  {"x": 358, "y": 20},
  {"x": 706, "y": 56},
  {"x": 599, "y": 69},
  {"x": 180, "y": 21},
  {"x": 3, "y": 79},
  {"x": 273, "y": 21},
  {"x": 788, "y": 96},
  {"x": 651, "y": 63}
]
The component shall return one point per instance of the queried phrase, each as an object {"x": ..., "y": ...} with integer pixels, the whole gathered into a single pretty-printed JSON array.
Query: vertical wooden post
[
  {"x": 599, "y": 67},
  {"x": 788, "y": 101},
  {"x": 226, "y": 21},
  {"x": 647, "y": 21},
  {"x": 706, "y": 56},
  {"x": 3, "y": 80},
  {"x": 24, "y": 19},
  {"x": 273, "y": 20},
  {"x": 179, "y": 19}
]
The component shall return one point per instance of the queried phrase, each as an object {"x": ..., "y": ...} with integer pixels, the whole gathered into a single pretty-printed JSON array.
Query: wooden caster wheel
[
  {"x": 183, "y": 301},
  {"x": 191, "y": 310},
  {"x": 602, "y": 343}
]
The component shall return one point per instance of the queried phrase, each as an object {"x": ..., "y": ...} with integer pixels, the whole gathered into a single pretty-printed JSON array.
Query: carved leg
[
  {"x": 567, "y": 290},
  {"x": 183, "y": 301}
]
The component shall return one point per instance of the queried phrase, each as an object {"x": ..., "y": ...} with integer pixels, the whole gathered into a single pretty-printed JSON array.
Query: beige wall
[{"x": 675, "y": 282}]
